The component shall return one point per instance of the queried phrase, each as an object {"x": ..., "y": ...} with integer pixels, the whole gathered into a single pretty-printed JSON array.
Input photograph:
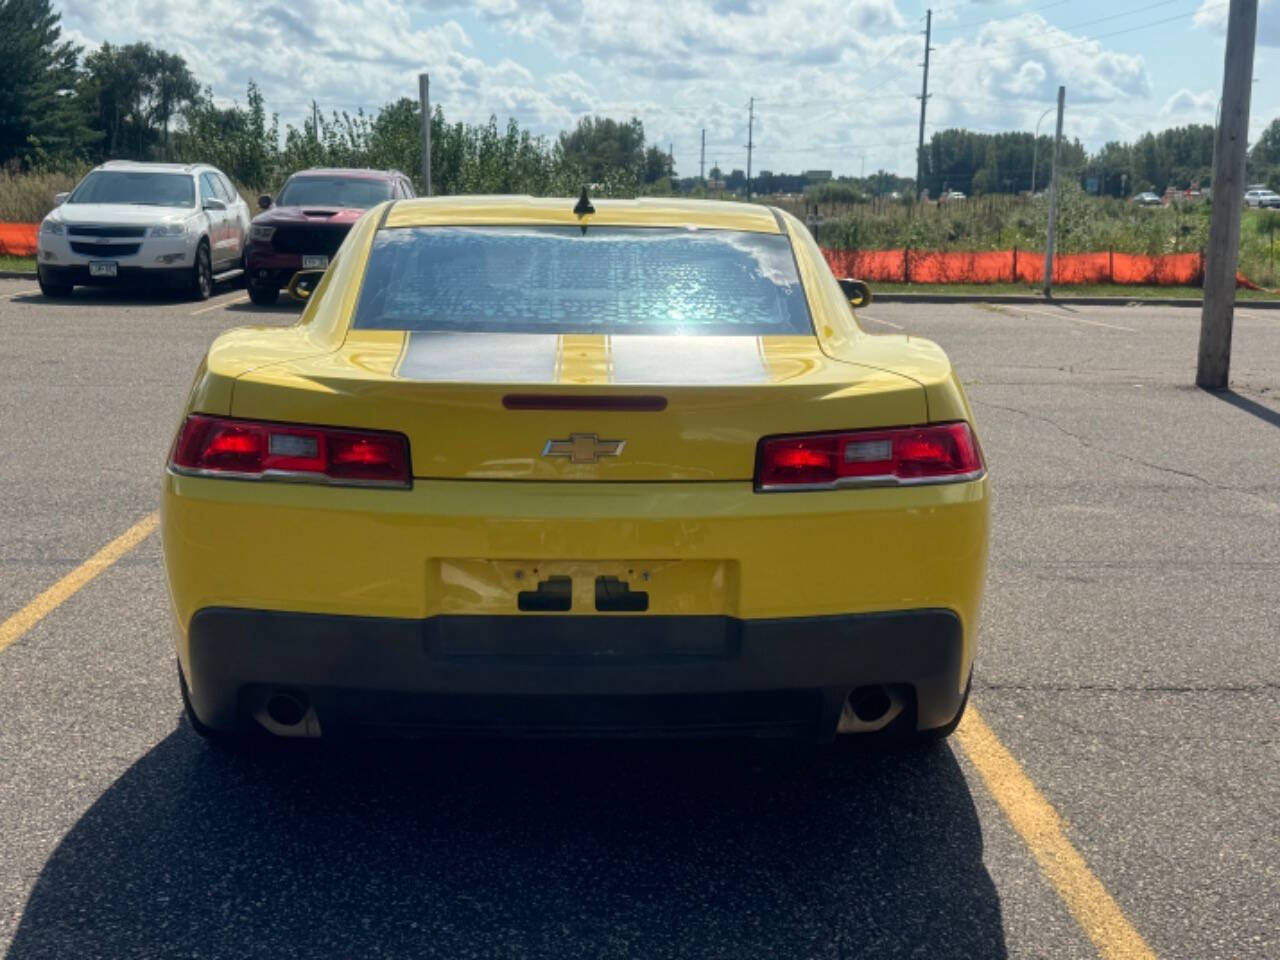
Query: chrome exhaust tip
[
  {"x": 871, "y": 708},
  {"x": 287, "y": 714}
]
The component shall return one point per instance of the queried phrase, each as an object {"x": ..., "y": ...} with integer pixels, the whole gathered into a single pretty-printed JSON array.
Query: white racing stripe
[
  {"x": 688, "y": 360},
  {"x": 480, "y": 357}
]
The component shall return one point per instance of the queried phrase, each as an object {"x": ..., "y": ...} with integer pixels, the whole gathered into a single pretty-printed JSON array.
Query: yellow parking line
[
  {"x": 243, "y": 298},
  {"x": 35, "y": 611},
  {"x": 1075, "y": 319},
  {"x": 19, "y": 293},
  {"x": 1041, "y": 828},
  {"x": 887, "y": 323}
]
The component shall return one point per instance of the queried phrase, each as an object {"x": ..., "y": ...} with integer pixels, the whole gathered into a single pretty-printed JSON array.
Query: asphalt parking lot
[{"x": 1115, "y": 792}]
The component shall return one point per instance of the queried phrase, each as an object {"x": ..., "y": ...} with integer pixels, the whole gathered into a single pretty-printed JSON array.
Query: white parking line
[
  {"x": 887, "y": 323},
  {"x": 18, "y": 293},
  {"x": 1257, "y": 316},
  {"x": 1074, "y": 319},
  {"x": 243, "y": 298}
]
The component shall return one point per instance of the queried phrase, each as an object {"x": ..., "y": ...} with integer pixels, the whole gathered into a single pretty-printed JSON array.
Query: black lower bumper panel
[{"x": 598, "y": 675}]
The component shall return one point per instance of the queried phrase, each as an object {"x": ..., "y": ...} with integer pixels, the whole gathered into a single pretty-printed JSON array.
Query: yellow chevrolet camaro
[{"x": 611, "y": 468}]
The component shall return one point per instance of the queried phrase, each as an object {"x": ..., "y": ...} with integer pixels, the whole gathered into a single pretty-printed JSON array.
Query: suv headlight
[
  {"x": 168, "y": 230},
  {"x": 261, "y": 232},
  {"x": 52, "y": 228}
]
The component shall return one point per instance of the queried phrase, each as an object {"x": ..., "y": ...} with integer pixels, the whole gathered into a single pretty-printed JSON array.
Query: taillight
[
  {"x": 254, "y": 450},
  {"x": 941, "y": 453}
]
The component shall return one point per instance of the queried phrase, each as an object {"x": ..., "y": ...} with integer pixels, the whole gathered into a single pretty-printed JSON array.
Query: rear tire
[
  {"x": 52, "y": 290},
  {"x": 218, "y": 738},
  {"x": 263, "y": 296},
  {"x": 202, "y": 274},
  {"x": 909, "y": 737}
]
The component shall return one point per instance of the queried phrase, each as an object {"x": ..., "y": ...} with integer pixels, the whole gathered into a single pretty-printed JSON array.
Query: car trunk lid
[{"x": 482, "y": 406}]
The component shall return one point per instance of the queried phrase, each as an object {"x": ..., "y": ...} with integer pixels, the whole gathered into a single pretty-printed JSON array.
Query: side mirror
[
  {"x": 264, "y": 201},
  {"x": 213, "y": 203},
  {"x": 60, "y": 198},
  {"x": 859, "y": 293},
  {"x": 303, "y": 284}
]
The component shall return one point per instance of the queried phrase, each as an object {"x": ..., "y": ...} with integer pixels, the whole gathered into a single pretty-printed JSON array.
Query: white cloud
[
  {"x": 1187, "y": 106},
  {"x": 1212, "y": 16},
  {"x": 836, "y": 82}
]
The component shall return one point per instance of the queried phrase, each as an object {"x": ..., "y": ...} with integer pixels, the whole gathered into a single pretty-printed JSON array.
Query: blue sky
[{"x": 835, "y": 82}]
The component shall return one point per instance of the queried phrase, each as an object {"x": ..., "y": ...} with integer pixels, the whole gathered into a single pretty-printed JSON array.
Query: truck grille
[
  {"x": 105, "y": 249},
  {"x": 324, "y": 240},
  {"x": 88, "y": 231}
]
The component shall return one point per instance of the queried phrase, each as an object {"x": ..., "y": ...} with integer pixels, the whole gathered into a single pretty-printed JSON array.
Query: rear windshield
[
  {"x": 140, "y": 187},
  {"x": 334, "y": 192},
  {"x": 608, "y": 280}
]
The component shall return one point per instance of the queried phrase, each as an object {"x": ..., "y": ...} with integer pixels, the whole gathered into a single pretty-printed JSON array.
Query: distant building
[{"x": 817, "y": 176}]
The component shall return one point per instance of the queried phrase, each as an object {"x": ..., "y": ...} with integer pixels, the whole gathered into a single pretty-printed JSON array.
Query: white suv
[
  {"x": 181, "y": 223},
  {"x": 1262, "y": 198}
]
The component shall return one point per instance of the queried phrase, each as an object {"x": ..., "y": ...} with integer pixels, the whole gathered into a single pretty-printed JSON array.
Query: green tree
[
  {"x": 600, "y": 148},
  {"x": 134, "y": 92},
  {"x": 657, "y": 164},
  {"x": 239, "y": 140},
  {"x": 1264, "y": 158},
  {"x": 40, "y": 119}
]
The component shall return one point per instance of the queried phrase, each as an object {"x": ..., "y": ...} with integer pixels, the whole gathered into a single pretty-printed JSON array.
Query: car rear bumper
[
  {"x": 417, "y": 590},
  {"x": 563, "y": 674}
]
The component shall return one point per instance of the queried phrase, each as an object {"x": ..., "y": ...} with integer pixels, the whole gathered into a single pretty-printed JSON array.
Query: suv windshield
[
  {"x": 334, "y": 192},
  {"x": 610, "y": 280},
  {"x": 136, "y": 186}
]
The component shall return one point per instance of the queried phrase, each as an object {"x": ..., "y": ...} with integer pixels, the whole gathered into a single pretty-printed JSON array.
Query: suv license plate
[
  {"x": 315, "y": 263},
  {"x": 102, "y": 268}
]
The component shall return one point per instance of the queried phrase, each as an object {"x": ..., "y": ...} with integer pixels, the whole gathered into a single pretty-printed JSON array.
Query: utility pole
[
  {"x": 924, "y": 99},
  {"x": 315, "y": 122},
  {"x": 1230, "y": 141},
  {"x": 1052, "y": 238},
  {"x": 702, "y": 159},
  {"x": 751, "y": 122},
  {"x": 424, "y": 100}
]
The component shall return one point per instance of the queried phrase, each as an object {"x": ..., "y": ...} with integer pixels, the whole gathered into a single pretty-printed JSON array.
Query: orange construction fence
[
  {"x": 924, "y": 266},
  {"x": 18, "y": 239},
  {"x": 1017, "y": 266}
]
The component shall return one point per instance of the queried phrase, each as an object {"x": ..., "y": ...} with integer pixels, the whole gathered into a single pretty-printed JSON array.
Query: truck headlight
[
  {"x": 261, "y": 232},
  {"x": 168, "y": 230},
  {"x": 52, "y": 228}
]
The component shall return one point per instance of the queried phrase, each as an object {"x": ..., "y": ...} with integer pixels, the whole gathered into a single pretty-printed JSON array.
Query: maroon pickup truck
[{"x": 304, "y": 226}]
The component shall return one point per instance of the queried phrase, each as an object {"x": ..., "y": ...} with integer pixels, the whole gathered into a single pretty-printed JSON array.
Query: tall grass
[
  {"x": 1085, "y": 224},
  {"x": 27, "y": 197}
]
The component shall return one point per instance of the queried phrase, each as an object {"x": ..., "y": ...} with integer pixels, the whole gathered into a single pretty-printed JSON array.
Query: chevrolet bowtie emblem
[{"x": 583, "y": 448}]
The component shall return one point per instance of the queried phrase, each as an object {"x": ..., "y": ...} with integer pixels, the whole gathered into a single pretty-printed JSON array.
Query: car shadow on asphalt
[{"x": 521, "y": 849}]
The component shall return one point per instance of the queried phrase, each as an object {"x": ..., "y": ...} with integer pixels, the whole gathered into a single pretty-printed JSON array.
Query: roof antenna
[{"x": 583, "y": 206}]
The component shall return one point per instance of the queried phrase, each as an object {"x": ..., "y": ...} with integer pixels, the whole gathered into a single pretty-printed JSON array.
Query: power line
[{"x": 1075, "y": 43}]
